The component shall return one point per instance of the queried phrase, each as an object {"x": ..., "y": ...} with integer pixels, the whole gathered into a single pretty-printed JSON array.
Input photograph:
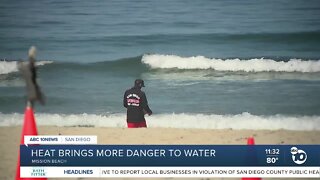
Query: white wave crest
[
  {"x": 249, "y": 65},
  {"x": 7, "y": 67},
  {"x": 189, "y": 121}
]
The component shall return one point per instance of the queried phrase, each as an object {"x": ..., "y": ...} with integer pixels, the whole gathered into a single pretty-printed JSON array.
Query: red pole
[{"x": 29, "y": 128}]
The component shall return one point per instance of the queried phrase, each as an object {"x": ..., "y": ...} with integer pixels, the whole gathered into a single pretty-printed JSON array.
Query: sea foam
[
  {"x": 188, "y": 121},
  {"x": 158, "y": 61},
  {"x": 7, "y": 67}
]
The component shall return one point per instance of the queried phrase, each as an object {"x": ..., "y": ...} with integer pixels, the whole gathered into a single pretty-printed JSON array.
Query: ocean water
[{"x": 206, "y": 64}]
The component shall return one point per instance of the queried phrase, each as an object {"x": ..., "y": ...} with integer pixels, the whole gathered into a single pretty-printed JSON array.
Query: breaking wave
[
  {"x": 7, "y": 67},
  {"x": 189, "y": 121},
  {"x": 157, "y": 61}
]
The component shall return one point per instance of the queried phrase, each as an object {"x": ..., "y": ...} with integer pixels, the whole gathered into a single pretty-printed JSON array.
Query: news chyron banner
[{"x": 65, "y": 156}]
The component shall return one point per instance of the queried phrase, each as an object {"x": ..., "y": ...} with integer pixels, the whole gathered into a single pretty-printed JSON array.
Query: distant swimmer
[{"x": 136, "y": 103}]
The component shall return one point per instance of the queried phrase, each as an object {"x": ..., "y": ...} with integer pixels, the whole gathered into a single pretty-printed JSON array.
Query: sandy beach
[{"x": 10, "y": 138}]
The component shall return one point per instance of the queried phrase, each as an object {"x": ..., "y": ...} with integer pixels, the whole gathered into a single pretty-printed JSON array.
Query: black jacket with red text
[{"x": 136, "y": 103}]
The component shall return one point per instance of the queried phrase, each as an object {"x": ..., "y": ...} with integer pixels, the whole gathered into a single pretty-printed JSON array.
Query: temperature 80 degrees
[{"x": 272, "y": 160}]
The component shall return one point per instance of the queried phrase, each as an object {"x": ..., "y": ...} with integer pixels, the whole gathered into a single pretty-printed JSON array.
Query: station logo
[{"x": 298, "y": 155}]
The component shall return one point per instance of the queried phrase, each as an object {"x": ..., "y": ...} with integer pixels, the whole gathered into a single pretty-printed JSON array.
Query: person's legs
[
  {"x": 137, "y": 124},
  {"x": 131, "y": 125},
  {"x": 143, "y": 124}
]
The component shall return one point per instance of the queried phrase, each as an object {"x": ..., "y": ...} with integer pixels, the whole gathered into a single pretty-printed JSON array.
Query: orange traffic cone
[
  {"x": 251, "y": 142},
  {"x": 29, "y": 128}
]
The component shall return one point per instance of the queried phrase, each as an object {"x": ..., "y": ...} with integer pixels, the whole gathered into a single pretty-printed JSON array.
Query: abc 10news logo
[{"x": 298, "y": 155}]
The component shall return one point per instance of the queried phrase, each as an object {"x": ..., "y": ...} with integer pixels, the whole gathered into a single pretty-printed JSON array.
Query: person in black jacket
[{"x": 136, "y": 103}]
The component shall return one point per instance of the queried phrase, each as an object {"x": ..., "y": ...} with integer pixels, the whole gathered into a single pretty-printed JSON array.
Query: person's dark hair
[{"x": 139, "y": 83}]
